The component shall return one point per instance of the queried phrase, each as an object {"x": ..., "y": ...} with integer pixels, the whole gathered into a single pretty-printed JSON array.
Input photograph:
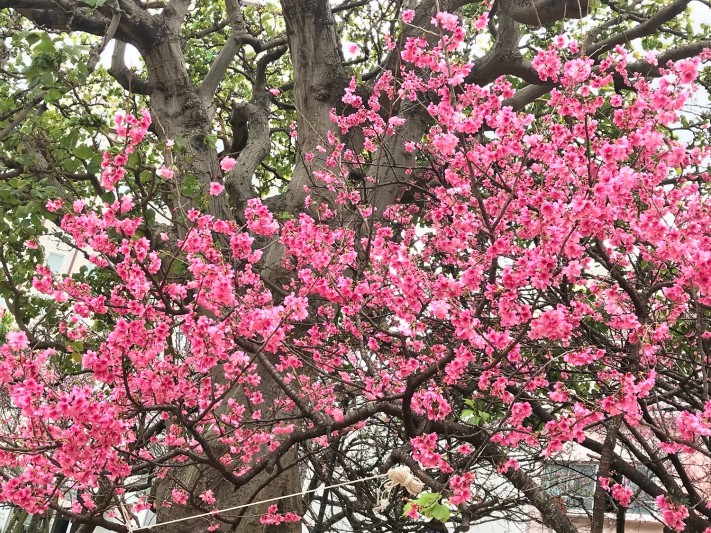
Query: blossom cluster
[{"x": 543, "y": 266}]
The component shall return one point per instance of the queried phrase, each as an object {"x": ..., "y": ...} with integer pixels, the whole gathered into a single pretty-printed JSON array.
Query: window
[
  {"x": 642, "y": 502},
  {"x": 54, "y": 261},
  {"x": 574, "y": 484}
]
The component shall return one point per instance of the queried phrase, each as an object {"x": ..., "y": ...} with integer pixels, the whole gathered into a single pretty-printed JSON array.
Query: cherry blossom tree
[{"x": 463, "y": 274}]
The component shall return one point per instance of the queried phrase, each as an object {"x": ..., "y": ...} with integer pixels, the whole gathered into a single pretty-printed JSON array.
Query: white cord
[
  {"x": 126, "y": 517},
  {"x": 216, "y": 511},
  {"x": 397, "y": 475}
]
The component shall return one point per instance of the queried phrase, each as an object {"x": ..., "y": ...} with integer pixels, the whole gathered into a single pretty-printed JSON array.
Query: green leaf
[
  {"x": 84, "y": 152},
  {"x": 440, "y": 512},
  {"x": 285, "y": 215},
  {"x": 70, "y": 140},
  {"x": 150, "y": 217},
  {"x": 45, "y": 44},
  {"x": 211, "y": 139},
  {"x": 428, "y": 499},
  {"x": 95, "y": 3},
  {"x": 54, "y": 95},
  {"x": 32, "y": 38},
  {"x": 191, "y": 186}
]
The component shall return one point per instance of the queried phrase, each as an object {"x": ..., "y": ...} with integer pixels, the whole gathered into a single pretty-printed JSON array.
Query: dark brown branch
[
  {"x": 544, "y": 12},
  {"x": 21, "y": 115},
  {"x": 504, "y": 57},
  {"x": 603, "y": 471},
  {"x": 648, "y": 27},
  {"x": 136, "y": 26},
  {"x": 673, "y": 54}
]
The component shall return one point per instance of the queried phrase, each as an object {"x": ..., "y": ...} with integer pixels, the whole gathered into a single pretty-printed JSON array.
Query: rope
[
  {"x": 398, "y": 475},
  {"x": 126, "y": 517},
  {"x": 212, "y": 513},
  {"x": 402, "y": 476}
]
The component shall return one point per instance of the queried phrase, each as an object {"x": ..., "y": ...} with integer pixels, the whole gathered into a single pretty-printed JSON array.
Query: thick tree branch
[
  {"x": 504, "y": 57},
  {"x": 544, "y": 12},
  {"x": 674, "y": 54},
  {"x": 603, "y": 471},
  {"x": 127, "y": 78},
  {"x": 648, "y": 27},
  {"x": 256, "y": 113},
  {"x": 175, "y": 12},
  {"x": 532, "y": 92},
  {"x": 136, "y": 26},
  {"x": 239, "y": 180},
  {"x": 96, "y": 51},
  {"x": 527, "y": 95},
  {"x": 21, "y": 115},
  {"x": 319, "y": 80},
  {"x": 60, "y": 15},
  {"x": 238, "y": 37}
]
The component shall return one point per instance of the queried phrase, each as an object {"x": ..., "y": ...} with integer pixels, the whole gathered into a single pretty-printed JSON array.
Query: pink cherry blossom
[
  {"x": 228, "y": 163},
  {"x": 482, "y": 21},
  {"x": 532, "y": 279},
  {"x": 216, "y": 188},
  {"x": 673, "y": 514},
  {"x": 166, "y": 172},
  {"x": 208, "y": 497},
  {"x": 54, "y": 205}
]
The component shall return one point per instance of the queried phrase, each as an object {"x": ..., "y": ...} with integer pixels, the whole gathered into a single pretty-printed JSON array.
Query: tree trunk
[
  {"x": 180, "y": 114},
  {"x": 603, "y": 471}
]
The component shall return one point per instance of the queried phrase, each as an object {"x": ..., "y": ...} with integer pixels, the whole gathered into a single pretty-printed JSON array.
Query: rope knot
[
  {"x": 403, "y": 476},
  {"x": 398, "y": 476}
]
